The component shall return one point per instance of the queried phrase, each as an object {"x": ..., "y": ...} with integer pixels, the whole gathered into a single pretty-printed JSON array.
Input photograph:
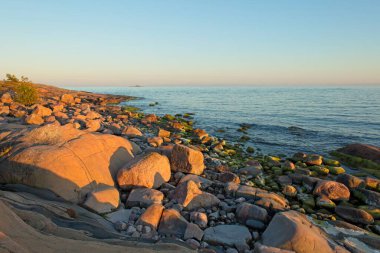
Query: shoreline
[{"x": 247, "y": 193}]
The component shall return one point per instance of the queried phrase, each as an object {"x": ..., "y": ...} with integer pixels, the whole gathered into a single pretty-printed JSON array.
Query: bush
[{"x": 26, "y": 93}]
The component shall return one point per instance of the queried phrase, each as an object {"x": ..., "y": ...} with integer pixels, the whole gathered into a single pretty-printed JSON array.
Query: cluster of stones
[{"x": 182, "y": 183}]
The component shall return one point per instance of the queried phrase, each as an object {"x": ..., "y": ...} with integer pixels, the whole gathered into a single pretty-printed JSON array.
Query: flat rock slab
[{"x": 228, "y": 235}]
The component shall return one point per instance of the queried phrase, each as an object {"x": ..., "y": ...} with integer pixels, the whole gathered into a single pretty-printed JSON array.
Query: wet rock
[
  {"x": 288, "y": 166},
  {"x": 228, "y": 235},
  {"x": 367, "y": 196},
  {"x": 350, "y": 181},
  {"x": 246, "y": 211},
  {"x": 325, "y": 202},
  {"x": 333, "y": 190},
  {"x": 354, "y": 215},
  {"x": 372, "y": 183},
  {"x": 336, "y": 170},
  {"x": 150, "y": 171},
  {"x": 364, "y": 151},
  {"x": 187, "y": 160},
  {"x": 253, "y": 170},
  {"x": 151, "y": 217},
  {"x": 293, "y": 231},
  {"x": 191, "y": 197},
  {"x": 289, "y": 191},
  {"x": 144, "y": 197},
  {"x": 103, "y": 200},
  {"x": 313, "y": 160}
]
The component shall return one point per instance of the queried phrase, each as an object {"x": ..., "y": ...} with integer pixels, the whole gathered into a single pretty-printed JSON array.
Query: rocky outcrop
[
  {"x": 67, "y": 161},
  {"x": 150, "y": 171},
  {"x": 364, "y": 151}
]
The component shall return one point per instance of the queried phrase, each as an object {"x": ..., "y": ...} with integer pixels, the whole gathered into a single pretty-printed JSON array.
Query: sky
[{"x": 191, "y": 42}]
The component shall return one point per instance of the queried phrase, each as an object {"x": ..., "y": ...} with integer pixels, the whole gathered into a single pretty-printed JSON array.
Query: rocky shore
[{"x": 79, "y": 166}]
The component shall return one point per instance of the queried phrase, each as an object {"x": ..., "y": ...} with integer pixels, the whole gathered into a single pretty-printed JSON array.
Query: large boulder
[
  {"x": 188, "y": 160},
  {"x": 67, "y": 161},
  {"x": 350, "y": 181},
  {"x": 354, "y": 215},
  {"x": 150, "y": 171},
  {"x": 332, "y": 190},
  {"x": 42, "y": 111},
  {"x": 228, "y": 235},
  {"x": 364, "y": 151},
  {"x": 293, "y": 231},
  {"x": 191, "y": 197},
  {"x": 6, "y": 98}
]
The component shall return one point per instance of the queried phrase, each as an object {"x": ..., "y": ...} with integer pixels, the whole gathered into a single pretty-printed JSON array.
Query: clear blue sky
[{"x": 191, "y": 42}]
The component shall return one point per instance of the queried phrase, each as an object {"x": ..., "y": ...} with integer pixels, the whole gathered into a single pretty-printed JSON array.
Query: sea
[{"x": 281, "y": 120}]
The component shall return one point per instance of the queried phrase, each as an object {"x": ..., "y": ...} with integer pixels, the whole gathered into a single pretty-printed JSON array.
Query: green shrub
[{"x": 26, "y": 93}]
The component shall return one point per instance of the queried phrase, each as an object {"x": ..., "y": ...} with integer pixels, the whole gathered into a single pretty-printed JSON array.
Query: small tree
[
  {"x": 25, "y": 92},
  {"x": 11, "y": 78}
]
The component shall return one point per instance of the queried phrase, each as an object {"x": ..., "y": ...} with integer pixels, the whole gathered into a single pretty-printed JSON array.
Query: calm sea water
[{"x": 282, "y": 120}]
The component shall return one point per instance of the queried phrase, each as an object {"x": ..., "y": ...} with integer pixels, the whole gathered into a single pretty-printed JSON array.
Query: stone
[
  {"x": 259, "y": 248},
  {"x": 155, "y": 141},
  {"x": 163, "y": 133},
  {"x": 68, "y": 99},
  {"x": 144, "y": 197},
  {"x": 289, "y": 191},
  {"x": 336, "y": 170},
  {"x": 372, "y": 183},
  {"x": 150, "y": 171},
  {"x": 354, "y": 215},
  {"x": 6, "y": 98},
  {"x": 42, "y": 111},
  {"x": 332, "y": 190},
  {"x": 204, "y": 182},
  {"x": 228, "y": 235},
  {"x": 4, "y": 110},
  {"x": 272, "y": 201},
  {"x": 187, "y": 160},
  {"x": 121, "y": 215},
  {"x": 172, "y": 223},
  {"x": 199, "y": 218},
  {"x": 191, "y": 197},
  {"x": 247, "y": 211},
  {"x": 151, "y": 217},
  {"x": 313, "y": 160},
  {"x": 193, "y": 232},
  {"x": 93, "y": 115},
  {"x": 293, "y": 231},
  {"x": 367, "y": 196},
  {"x": 103, "y": 200},
  {"x": 288, "y": 166},
  {"x": 93, "y": 125},
  {"x": 252, "y": 170},
  {"x": 255, "y": 224},
  {"x": 34, "y": 119},
  {"x": 350, "y": 181},
  {"x": 131, "y": 131},
  {"x": 229, "y": 177},
  {"x": 325, "y": 202},
  {"x": 65, "y": 160}
]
